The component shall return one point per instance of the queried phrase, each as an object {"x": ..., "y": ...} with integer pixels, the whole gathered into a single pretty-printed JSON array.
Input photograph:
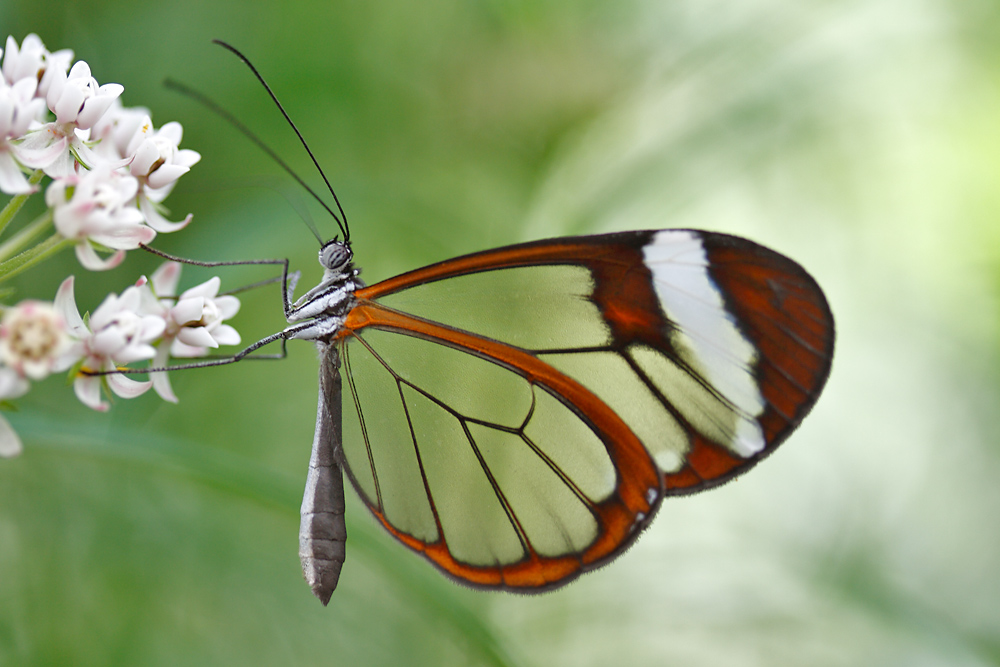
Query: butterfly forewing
[{"x": 519, "y": 413}]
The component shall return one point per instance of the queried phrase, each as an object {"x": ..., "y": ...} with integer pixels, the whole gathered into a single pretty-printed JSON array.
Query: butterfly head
[{"x": 335, "y": 255}]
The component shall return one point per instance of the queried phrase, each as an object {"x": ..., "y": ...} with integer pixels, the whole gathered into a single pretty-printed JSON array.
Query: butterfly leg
[{"x": 288, "y": 281}]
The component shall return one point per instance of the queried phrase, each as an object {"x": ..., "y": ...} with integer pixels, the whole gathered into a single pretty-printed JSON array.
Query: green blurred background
[{"x": 860, "y": 137}]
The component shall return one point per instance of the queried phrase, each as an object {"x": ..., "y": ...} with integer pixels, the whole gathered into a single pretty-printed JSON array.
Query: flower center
[{"x": 33, "y": 338}]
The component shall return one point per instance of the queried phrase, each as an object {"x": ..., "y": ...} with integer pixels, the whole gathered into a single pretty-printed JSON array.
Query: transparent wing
[{"x": 522, "y": 410}]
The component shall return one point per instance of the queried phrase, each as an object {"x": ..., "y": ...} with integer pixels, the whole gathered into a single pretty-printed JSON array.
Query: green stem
[
  {"x": 28, "y": 234},
  {"x": 17, "y": 201},
  {"x": 32, "y": 256}
]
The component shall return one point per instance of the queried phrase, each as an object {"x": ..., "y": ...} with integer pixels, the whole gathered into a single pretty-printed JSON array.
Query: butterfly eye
[{"x": 335, "y": 254}]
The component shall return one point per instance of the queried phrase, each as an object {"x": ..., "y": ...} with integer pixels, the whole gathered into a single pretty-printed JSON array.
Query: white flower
[
  {"x": 114, "y": 131},
  {"x": 34, "y": 61},
  {"x": 118, "y": 334},
  {"x": 34, "y": 341},
  {"x": 77, "y": 98},
  {"x": 199, "y": 314},
  {"x": 98, "y": 206},
  {"x": 158, "y": 162},
  {"x": 78, "y": 103},
  {"x": 18, "y": 108},
  {"x": 50, "y": 147},
  {"x": 153, "y": 157},
  {"x": 194, "y": 320}
]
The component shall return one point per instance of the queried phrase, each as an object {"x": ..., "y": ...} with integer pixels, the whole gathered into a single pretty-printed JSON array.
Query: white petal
[
  {"x": 93, "y": 160},
  {"x": 105, "y": 313},
  {"x": 172, "y": 132},
  {"x": 10, "y": 443},
  {"x": 80, "y": 70},
  {"x": 228, "y": 306},
  {"x": 181, "y": 351},
  {"x": 226, "y": 335},
  {"x": 73, "y": 354},
  {"x": 157, "y": 221},
  {"x": 129, "y": 300},
  {"x": 145, "y": 156},
  {"x": 158, "y": 195},
  {"x": 12, "y": 179},
  {"x": 88, "y": 390},
  {"x": 54, "y": 84},
  {"x": 127, "y": 187},
  {"x": 166, "y": 174},
  {"x": 68, "y": 104},
  {"x": 127, "y": 387},
  {"x": 96, "y": 107},
  {"x": 36, "y": 369},
  {"x": 57, "y": 65},
  {"x": 41, "y": 148},
  {"x": 12, "y": 385},
  {"x": 188, "y": 309},
  {"x": 125, "y": 237},
  {"x": 148, "y": 303},
  {"x": 11, "y": 61},
  {"x": 197, "y": 337},
  {"x": 63, "y": 166},
  {"x": 187, "y": 158},
  {"x": 161, "y": 382},
  {"x": 6, "y": 113},
  {"x": 152, "y": 327},
  {"x": 108, "y": 342},
  {"x": 89, "y": 259},
  {"x": 165, "y": 279},
  {"x": 55, "y": 194},
  {"x": 134, "y": 352},
  {"x": 65, "y": 305},
  {"x": 207, "y": 289}
]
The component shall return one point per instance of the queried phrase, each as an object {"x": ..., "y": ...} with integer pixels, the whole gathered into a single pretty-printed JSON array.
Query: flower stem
[
  {"x": 17, "y": 201},
  {"x": 26, "y": 235},
  {"x": 32, "y": 256}
]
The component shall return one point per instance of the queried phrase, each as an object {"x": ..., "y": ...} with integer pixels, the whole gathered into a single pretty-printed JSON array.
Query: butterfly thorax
[{"x": 319, "y": 313}]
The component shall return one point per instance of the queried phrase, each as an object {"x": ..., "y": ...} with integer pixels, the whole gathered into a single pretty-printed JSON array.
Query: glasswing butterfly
[{"x": 517, "y": 415}]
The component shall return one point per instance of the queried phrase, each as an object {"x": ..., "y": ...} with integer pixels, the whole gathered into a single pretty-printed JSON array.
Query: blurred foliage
[{"x": 860, "y": 137}]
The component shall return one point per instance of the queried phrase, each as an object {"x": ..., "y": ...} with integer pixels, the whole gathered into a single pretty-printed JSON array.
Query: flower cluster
[
  {"x": 146, "y": 322},
  {"x": 110, "y": 170}
]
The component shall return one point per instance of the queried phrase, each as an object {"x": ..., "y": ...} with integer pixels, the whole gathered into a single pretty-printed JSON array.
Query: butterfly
[{"x": 517, "y": 416}]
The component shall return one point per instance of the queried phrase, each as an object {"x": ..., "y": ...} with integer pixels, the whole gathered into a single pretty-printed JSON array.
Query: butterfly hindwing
[{"x": 479, "y": 455}]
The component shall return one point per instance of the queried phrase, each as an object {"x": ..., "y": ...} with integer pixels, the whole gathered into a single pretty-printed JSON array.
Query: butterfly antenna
[
  {"x": 342, "y": 219},
  {"x": 232, "y": 120}
]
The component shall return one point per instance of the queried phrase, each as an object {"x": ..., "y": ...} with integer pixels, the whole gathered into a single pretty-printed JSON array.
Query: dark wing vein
[{"x": 345, "y": 355}]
